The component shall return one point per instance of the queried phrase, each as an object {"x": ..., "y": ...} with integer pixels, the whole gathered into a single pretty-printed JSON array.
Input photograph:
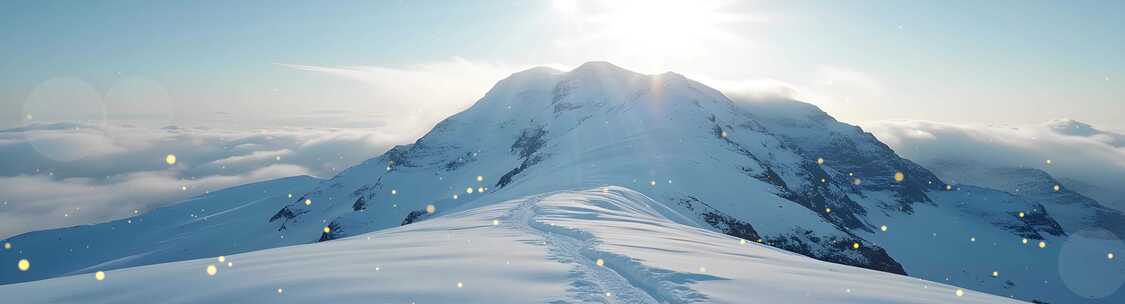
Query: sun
[{"x": 651, "y": 31}]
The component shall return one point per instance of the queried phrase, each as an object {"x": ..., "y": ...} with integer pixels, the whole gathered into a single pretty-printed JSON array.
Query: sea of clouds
[
  {"x": 63, "y": 174},
  {"x": 1083, "y": 157}
]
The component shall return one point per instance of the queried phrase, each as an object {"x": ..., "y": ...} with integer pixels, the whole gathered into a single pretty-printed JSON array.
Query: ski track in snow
[
  {"x": 577, "y": 248},
  {"x": 620, "y": 279}
]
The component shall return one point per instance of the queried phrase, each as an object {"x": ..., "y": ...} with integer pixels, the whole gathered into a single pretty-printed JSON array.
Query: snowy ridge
[{"x": 545, "y": 247}]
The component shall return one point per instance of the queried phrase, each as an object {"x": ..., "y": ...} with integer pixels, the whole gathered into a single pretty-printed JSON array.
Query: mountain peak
[
  {"x": 1072, "y": 127},
  {"x": 600, "y": 66}
]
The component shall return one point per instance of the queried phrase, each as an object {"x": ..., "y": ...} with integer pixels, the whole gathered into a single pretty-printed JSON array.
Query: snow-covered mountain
[
  {"x": 1071, "y": 209},
  {"x": 781, "y": 173}
]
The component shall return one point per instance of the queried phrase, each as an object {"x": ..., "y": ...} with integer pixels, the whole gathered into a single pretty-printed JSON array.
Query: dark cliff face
[
  {"x": 331, "y": 232},
  {"x": 804, "y": 242}
]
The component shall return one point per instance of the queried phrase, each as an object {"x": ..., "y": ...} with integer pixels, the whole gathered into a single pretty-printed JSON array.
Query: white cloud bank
[
  {"x": 69, "y": 174},
  {"x": 1092, "y": 160}
]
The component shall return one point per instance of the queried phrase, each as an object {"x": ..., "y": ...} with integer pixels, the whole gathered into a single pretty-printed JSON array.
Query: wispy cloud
[
  {"x": 415, "y": 97},
  {"x": 840, "y": 76}
]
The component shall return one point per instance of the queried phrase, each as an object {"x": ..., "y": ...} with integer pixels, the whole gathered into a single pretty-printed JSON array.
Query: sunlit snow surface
[{"x": 541, "y": 248}]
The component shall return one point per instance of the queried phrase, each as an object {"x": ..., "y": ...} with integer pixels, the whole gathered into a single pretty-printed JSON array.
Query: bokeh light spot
[{"x": 23, "y": 265}]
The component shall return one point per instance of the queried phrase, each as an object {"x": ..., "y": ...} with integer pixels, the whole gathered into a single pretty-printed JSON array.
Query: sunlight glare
[{"x": 655, "y": 31}]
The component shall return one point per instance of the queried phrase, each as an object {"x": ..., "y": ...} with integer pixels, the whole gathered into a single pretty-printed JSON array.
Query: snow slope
[
  {"x": 203, "y": 226},
  {"x": 785, "y": 174},
  {"x": 1071, "y": 209},
  {"x": 542, "y": 248}
]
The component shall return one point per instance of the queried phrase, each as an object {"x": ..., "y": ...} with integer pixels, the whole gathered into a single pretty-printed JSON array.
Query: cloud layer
[
  {"x": 1091, "y": 160},
  {"x": 69, "y": 174}
]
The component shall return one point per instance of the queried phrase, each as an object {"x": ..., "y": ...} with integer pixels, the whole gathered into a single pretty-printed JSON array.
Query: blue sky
[{"x": 996, "y": 62}]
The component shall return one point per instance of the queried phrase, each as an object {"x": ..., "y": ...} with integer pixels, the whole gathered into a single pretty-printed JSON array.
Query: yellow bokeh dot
[
  {"x": 459, "y": 284},
  {"x": 279, "y": 290},
  {"x": 170, "y": 159},
  {"x": 394, "y": 192},
  {"x": 883, "y": 228},
  {"x": 1025, "y": 241},
  {"x": 7, "y": 245},
  {"x": 23, "y": 265},
  {"x": 480, "y": 178},
  {"x": 1057, "y": 188},
  {"x": 819, "y": 161},
  {"x": 495, "y": 222},
  {"x": 469, "y": 190},
  {"x": 600, "y": 262},
  {"x": 430, "y": 208},
  {"x": 308, "y": 202},
  {"x": 827, "y": 210},
  {"x": 327, "y": 229},
  {"x": 1021, "y": 214},
  {"x": 212, "y": 270},
  {"x": 857, "y": 182},
  {"x": 1042, "y": 244},
  {"x": 899, "y": 177},
  {"x": 1048, "y": 161},
  {"x": 743, "y": 242},
  {"x": 481, "y": 189},
  {"x": 652, "y": 183},
  {"x": 959, "y": 292},
  {"x": 855, "y": 245},
  {"x": 995, "y": 274},
  {"x": 99, "y": 275},
  {"x": 948, "y": 187},
  {"x": 222, "y": 259}
]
